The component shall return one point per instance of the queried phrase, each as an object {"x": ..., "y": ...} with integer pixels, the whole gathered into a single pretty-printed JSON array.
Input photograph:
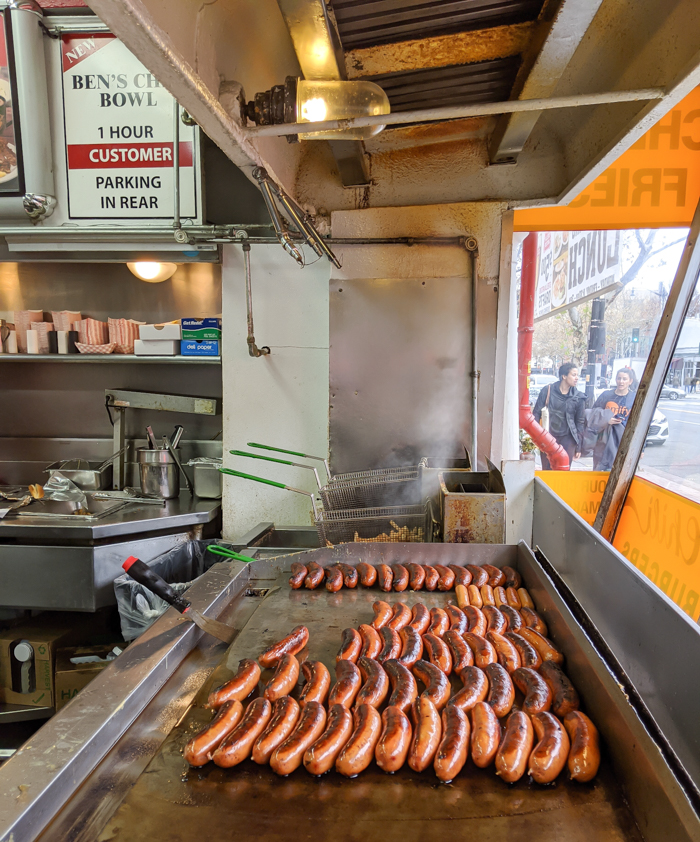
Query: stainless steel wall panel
[{"x": 657, "y": 644}]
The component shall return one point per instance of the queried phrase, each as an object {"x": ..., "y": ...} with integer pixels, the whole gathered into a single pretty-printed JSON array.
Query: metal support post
[
  {"x": 650, "y": 386},
  {"x": 119, "y": 468}
]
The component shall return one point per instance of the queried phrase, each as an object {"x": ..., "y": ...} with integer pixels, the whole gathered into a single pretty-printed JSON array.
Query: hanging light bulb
[
  {"x": 151, "y": 272},
  {"x": 313, "y": 101}
]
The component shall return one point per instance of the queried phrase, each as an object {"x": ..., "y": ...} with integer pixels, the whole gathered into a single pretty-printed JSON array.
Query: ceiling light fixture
[
  {"x": 151, "y": 272},
  {"x": 313, "y": 101}
]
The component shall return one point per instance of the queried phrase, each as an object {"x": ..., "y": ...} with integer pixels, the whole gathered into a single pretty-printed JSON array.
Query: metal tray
[{"x": 58, "y": 509}]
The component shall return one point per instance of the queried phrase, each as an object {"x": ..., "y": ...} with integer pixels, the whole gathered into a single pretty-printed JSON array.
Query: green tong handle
[
  {"x": 280, "y": 450},
  {"x": 260, "y": 456},
  {"x": 227, "y": 553},
  {"x": 250, "y": 476}
]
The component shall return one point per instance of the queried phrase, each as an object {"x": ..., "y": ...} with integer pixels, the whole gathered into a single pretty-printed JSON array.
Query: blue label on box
[
  {"x": 191, "y": 348},
  {"x": 198, "y": 324}
]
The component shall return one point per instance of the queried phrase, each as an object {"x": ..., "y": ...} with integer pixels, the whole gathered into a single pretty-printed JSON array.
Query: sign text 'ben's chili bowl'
[{"x": 119, "y": 135}]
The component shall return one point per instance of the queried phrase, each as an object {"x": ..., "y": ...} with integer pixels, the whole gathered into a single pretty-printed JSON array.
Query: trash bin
[{"x": 180, "y": 567}]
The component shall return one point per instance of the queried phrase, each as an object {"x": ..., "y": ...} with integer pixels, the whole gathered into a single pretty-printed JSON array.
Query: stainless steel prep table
[
  {"x": 60, "y": 564},
  {"x": 116, "y": 771}
]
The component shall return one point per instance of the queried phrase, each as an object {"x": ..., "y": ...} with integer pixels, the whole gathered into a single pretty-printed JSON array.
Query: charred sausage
[
  {"x": 457, "y": 617},
  {"x": 446, "y": 578},
  {"x": 546, "y": 649},
  {"x": 416, "y": 576},
  {"x": 239, "y": 687},
  {"x": 318, "y": 682},
  {"x": 475, "y": 689},
  {"x": 513, "y": 599},
  {"x": 314, "y": 577},
  {"x": 295, "y": 641},
  {"x": 367, "y": 574},
  {"x": 285, "y": 714},
  {"x": 382, "y": 613},
  {"x": 454, "y": 745},
  {"x": 476, "y": 620},
  {"x": 496, "y": 576},
  {"x": 484, "y": 653},
  {"x": 371, "y": 642},
  {"x": 474, "y": 593},
  {"x": 239, "y": 743},
  {"x": 420, "y": 618},
  {"x": 299, "y": 573},
  {"x": 495, "y": 621},
  {"x": 513, "y": 578},
  {"x": 394, "y": 740},
  {"x": 426, "y": 738},
  {"x": 486, "y": 734},
  {"x": 284, "y": 678},
  {"x": 506, "y": 652},
  {"x": 432, "y": 577},
  {"x": 487, "y": 597},
  {"x": 400, "y": 581},
  {"x": 499, "y": 596},
  {"x": 462, "y": 655},
  {"x": 525, "y": 598},
  {"x": 289, "y": 754},
  {"x": 334, "y": 579},
  {"x": 538, "y": 696},
  {"x": 320, "y": 757},
  {"x": 564, "y": 696},
  {"x": 350, "y": 575},
  {"x": 385, "y": 577},
  {"x": 199, "y": 749},
  {"x": 350, "y": 646},
  {"x": 515, "y": 748},
  {"x": 529, "y": 656},
  {"x": 462, "y": 575},
  {"x": 437, "y": 685},
  {"x": 462, "y": 594},
  {"x": 403, "y": 685},
  {"x": 533, "y": 620},
  {"x": 479, "y": 575},
  {"x": 439, "y": 621},
  {"x": 391, "y": 644},
  {"x": 513, "y": 618},
  {"x": 411, "y": 646},
  {"x": 359, "y": 749},
  {"x": 401, "y": 616},
  {"x": 501, "y": 691},
  {"x": 584, "y": 756},
  {"x": 376, "y": 683},
  {"x": 438, "y": 652},
  {"x": 550, "y": 754},
  {"x": 348, "y": 681}
]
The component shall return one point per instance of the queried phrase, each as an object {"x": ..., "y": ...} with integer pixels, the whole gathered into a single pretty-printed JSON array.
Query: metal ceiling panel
[
  {"x": 364, "y": 23},
  {"x": 484, "y": 81}
]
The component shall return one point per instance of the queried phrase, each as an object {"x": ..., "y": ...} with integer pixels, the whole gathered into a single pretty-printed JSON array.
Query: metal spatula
[{"x": 143, "y": 574}]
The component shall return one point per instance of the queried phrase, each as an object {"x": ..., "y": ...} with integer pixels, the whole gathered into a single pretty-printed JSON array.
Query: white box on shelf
[
  {"x": 156, "y": 347},
  {"x": 164, "y": 331}
]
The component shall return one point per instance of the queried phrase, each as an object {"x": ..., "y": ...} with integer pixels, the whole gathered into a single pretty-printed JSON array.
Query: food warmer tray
[{"x": 117, "y": 770}]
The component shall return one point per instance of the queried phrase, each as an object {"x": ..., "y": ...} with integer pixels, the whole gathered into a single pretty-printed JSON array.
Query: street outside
[{"x": 676, "y": 464}]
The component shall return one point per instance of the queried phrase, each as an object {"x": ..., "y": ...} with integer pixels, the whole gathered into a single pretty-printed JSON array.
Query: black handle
[{"x": 143, "y": 574}]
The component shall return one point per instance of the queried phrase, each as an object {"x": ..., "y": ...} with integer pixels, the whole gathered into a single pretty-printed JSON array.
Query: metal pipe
[
  {"x": 260, "y": 175},
  {"x": 313, "y": 238},
  {"x": 649, "y": 390},
  {"x": 429, "y": 115},
  {"x": 558, "y": 457},
  {"x": 176, "y": 164},
  {"x": 472, "y": 247},
  {"x": 253, "y": 349}
]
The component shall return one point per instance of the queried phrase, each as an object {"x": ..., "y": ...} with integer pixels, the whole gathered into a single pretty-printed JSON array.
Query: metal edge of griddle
[
  {"x": 657, "y": 790},
  {"x": 45, "y": 773}
]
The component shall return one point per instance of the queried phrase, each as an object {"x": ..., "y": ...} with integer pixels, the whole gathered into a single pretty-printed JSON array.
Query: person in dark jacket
[{"x": 566, "y": 407}]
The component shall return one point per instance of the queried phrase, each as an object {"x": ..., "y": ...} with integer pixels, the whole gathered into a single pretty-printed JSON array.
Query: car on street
[
  {"x": 673, "y": 393},
  {"x": 537, "y": 383},
  {"x": 658, "y": 429}
]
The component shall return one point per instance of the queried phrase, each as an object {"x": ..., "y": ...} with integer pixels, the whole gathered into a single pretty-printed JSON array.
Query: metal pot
[{"x": 158, "y": 473}]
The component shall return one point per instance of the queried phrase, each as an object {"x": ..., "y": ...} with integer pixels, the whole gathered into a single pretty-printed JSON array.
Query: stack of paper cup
[
  {"x": 32, "y": 341},
  {"x": 11, "y": 343}
]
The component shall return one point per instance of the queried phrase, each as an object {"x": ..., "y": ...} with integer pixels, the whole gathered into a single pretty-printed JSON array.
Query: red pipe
[{"x": 558, "y": 457}]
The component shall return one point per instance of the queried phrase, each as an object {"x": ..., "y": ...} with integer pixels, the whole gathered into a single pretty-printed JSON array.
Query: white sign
[
  {"x": 574, "y": 266},
  {"x": 119, "y": 135}
]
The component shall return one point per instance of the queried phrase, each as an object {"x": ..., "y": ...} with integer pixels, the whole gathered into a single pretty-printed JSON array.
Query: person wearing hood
[{"x": 566, "y": 407}]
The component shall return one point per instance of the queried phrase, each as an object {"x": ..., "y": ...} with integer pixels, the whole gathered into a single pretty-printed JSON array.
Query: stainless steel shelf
[{"x": 106, "y": 358}]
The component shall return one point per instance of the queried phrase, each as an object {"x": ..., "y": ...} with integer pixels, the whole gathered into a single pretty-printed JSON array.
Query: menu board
[
  {"x": 574, "y": 266},
  {"x": 120, "y": 135},
  {"x": 10, "y": 164}
]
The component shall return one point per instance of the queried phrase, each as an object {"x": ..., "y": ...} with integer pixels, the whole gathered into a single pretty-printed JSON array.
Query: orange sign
[
  {"x": 659, "y": 531},
  {"x": 655, "y": 184}
]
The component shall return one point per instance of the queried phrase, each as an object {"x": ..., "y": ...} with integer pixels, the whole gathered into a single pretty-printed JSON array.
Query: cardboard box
[
  {"x": 202, "y": 330},
  {"x": 191, "y": 348},
  {"x": 44, "y": 637},
  {"x": 162, "y": 331},
  {"x": 156, "y": 347},
  {"x": 70, "y": 678}
]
